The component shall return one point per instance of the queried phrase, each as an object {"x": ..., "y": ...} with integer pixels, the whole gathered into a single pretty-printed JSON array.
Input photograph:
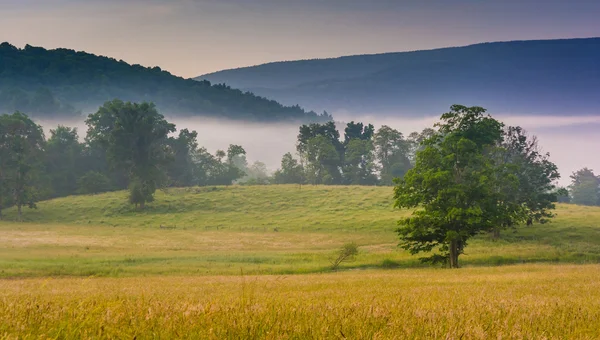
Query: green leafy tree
[
  {"x": 183, "y": 171},
  {"x": 536, "y": 175},
  {"x": 206, "y": 167},
  {"x": 237, "y": 164},
  {"x": 585, "y": 187},
  {"x": 392, "y": 154},
  {"x": 64, "y": 160},
  {"x": 137, "y": 142},
  {"x": 22, "y": 146},
  {"x": 359, "y": 164},
  {"x": 416, "y": 140},
  {"x": 358, "y": 131},
  {"x": 291, "y": 172},
  {"x": 357, "y": 160},
  {"x": 562, "y": 195},
  {"x": 323, "y": 161},
  {"x": 322, "y": 153},
  {"x": 452, "y": 186},
  {"x": 93, "y": 183}
]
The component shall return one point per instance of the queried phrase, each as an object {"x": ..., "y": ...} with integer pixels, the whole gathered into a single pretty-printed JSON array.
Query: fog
[{"x": 573, "y": 142}]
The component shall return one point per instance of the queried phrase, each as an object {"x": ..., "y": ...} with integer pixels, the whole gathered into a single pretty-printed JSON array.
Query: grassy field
[
  {"x": 260, "y": 230},
  {"x": 509, "y": 302},
  {"x": 191, "y": 265}
]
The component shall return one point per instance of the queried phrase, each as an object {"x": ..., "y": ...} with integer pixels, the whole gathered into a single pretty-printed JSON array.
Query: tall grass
[{"x": 513, "y": 302}]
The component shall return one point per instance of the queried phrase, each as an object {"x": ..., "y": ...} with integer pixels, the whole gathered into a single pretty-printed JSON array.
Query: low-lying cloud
[{"x": 571, "y": 141}]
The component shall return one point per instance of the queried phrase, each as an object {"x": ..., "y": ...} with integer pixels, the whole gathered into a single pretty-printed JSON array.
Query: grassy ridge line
[
  {"x": 525, "y": 301},
  {"x": 286, "y": 207}
]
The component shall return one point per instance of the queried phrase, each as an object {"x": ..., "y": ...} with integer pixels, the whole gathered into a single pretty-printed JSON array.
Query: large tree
[
  {"x": 452, "y": 186},
  {"x": 21, "y": 151},
  {"x": 136, "y": 140}
]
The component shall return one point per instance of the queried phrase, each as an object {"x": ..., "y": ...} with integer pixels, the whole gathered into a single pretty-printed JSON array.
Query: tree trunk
[
  {"x": 453, "y": 247},
  {"x": 496, "y": 233},
  {"x": 20, "y": 212}
]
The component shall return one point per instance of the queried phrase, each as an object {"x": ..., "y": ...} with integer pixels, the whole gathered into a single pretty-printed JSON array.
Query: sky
[{"x": 193, "y": 37}]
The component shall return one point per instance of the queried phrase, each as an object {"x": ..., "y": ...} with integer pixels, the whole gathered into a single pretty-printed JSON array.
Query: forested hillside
[
  {"x": 65, "y": 82},
  {"x": 532, "y": 77}
]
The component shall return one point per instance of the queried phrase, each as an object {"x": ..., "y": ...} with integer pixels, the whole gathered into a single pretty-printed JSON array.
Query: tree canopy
[{"x": 460, "y": 187}]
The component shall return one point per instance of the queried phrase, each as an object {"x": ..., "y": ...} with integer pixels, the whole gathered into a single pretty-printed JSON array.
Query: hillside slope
[
  {"x": 260, "y": 230},
  {"x": 64, "y": 82},
  {"x": 534, "y": 77}
]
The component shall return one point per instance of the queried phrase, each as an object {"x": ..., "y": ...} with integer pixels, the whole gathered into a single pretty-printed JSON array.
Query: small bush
[{"x": 346, "y": 253}]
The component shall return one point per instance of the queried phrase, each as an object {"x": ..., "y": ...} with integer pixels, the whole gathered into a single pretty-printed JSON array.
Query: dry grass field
[
  {"x": 253, "y": 262},
  {"x": 506, "y": 302}
]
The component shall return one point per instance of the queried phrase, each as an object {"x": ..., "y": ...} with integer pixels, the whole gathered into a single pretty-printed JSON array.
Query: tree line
[
  {"x": 127, "y": 146},
  {"x": 132, "y": 146}
]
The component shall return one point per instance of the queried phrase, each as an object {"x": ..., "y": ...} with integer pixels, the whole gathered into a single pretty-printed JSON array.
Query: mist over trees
[
  {"x": 132, "y": 146},
  {"x": 127, "y": 146},
  {"x": 585, "y": 187}
]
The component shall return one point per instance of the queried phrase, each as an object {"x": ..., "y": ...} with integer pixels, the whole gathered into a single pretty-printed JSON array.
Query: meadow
[
  {"x": 260, "y": 230},
  {"x": 254, "y": 262}
]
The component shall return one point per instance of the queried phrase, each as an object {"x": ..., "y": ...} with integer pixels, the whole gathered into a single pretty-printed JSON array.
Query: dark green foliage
[
  {"x": 93, "y": 183},
  {"x": 182, "y": 171},
  {"x": 61, "y": 81},
  {"x": 562, "y": 195},
  {"x": 392, "y": 154},
  {"x": 64, "y": 161},
  {"x": 291, "y": 172},
  {"x": 136, "y": 140},
  {"x": 536, "y": 175},
  {"x": 453, "y": 187},
  {"x": 359, "y": 162},
  {"x": 330, "y": 161},
  {"x": 585, "y": 187},
  {"x": 21, "y": 152},
  {"x": 141, "y": 191},
  {"x": 222, "y": 168}
]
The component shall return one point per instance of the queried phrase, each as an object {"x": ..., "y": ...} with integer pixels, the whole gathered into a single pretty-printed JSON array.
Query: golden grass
[{"x": 509, "y": 302}]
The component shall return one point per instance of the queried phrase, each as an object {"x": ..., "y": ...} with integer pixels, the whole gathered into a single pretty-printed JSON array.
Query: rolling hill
[
  {"x": 552, "y": 77},
  {"x": 44, "y": 82},
  {"x": 279, "y": 229}
]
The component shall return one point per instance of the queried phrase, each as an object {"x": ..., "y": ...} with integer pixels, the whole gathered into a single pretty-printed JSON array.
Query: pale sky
[{"x": 194, "y": 37}]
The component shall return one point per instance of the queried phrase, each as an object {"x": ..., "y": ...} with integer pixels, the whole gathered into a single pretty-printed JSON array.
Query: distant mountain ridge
[
  {"x": 65, "y": 82},
  {"x": 555, "y": 77}
]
